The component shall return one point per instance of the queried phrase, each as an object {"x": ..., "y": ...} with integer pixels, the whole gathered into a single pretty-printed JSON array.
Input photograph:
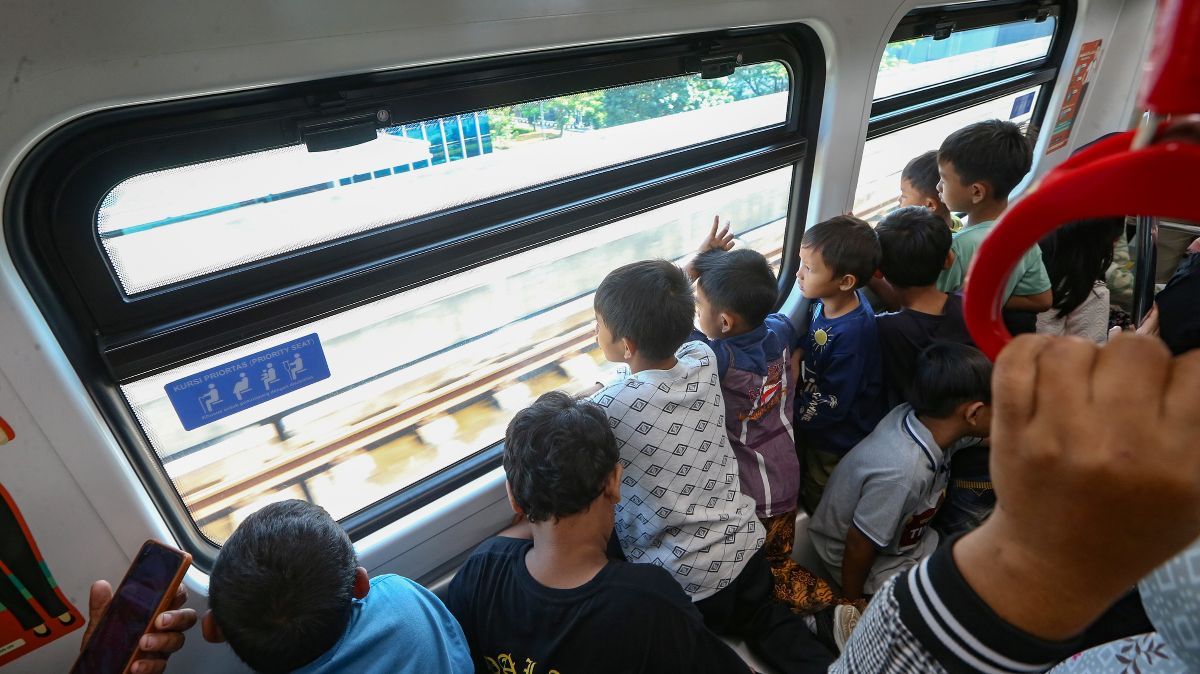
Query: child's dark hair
[
  {"x": 922, "y": 173},
  {"x": 949, "y": 374},
  {"x": 914, "y": 242},
  {"x": 847, "y": 244},
  {"x": 1077, "y": 255},
  {"x": 282, "y": 587},
  {"x": 740, "y": 281},
  {"x": 991, "y": 151},
  {"x": 558, "y": 452},
  {"x": 649, "y": 302}
]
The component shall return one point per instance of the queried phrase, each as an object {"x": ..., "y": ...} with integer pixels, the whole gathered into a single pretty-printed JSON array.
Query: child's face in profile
[
  {"x": 951, "y": 189},
  {"x": 708, "y": 319},
  {"x": 816, "y": 279},
  {"x": 911, "y": 196},
  {"x": 613, "y": 349}
]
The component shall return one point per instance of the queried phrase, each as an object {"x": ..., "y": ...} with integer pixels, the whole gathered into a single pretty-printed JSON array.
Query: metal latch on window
[
  {"x": 723, "y": 65},
  {"x": 942, "y": 29},
  {"x": 342, "y": 131}
]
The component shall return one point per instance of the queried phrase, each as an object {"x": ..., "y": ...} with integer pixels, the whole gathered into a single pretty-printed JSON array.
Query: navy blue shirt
[{"x": 841, "y": 380}]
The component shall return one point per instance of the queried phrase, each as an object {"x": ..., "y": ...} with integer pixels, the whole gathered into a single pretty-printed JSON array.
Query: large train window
[
  {"x": 341, "y": 290},
  {"x": 945, "y": 68},
  {"x": 169, "y": 226}
]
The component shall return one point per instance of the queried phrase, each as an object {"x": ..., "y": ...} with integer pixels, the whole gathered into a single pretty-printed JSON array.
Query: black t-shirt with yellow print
[{"x": 629, "y": 618}]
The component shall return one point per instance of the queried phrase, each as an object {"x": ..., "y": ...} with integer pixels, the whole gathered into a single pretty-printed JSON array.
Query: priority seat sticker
[{"x": 226, "y": 389}]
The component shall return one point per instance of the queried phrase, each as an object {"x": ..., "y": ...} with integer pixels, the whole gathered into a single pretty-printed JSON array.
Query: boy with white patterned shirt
[{"x": 681, "y": 506}]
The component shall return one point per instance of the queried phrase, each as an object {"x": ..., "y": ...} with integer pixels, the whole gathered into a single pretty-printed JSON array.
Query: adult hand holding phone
[
  {"x": 157, "y": 646},
  {"x": 125, "y": 621}
]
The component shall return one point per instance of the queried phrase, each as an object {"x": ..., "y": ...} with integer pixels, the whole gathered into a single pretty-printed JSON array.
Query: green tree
[
  {"x": 891, "y": 54},
  {"x": 760, "y": 79},
  {"x": 752, "y": 81},
  {"x": 587, "y": 109},
  {"x": 503, "y": 124},
  {"x": 647, "y": 100}
]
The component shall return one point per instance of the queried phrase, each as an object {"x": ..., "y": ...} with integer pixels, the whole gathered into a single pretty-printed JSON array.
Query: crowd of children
[{"x": 661, "y": 511}]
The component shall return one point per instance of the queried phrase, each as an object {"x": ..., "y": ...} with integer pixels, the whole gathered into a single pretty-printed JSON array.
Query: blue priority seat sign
[{"x": 226, "y": 389}]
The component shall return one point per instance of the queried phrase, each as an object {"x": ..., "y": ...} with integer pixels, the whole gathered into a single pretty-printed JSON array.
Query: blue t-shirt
[
  {"x": 841, "y": 382},
  {"x": 398, "y": 628}
]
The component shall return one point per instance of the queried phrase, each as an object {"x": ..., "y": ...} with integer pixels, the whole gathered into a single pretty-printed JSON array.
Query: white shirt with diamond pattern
[{"x": 681, "y": 506}]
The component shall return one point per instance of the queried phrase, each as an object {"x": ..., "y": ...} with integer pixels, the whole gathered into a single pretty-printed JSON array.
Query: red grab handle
[
  {"x": 1105, "y": 180},
  {"x": 1172, "y": 78}
]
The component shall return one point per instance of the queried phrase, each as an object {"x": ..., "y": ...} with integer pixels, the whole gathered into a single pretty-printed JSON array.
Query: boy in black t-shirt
[
  {"x": 916, "y": 248},
  {"x": 915, "y": 243},
  {"x": 557, "y": 603}
]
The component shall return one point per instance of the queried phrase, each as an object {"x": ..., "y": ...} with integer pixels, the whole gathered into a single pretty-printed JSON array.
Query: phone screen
[{"x": 132, "y": 609}]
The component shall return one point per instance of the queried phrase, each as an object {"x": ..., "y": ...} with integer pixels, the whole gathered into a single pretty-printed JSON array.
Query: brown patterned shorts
[{"x": 795, "y": 585}]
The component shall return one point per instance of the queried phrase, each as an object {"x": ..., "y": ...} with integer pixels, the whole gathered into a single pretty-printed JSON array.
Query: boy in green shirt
[{"x": 979, "y": 165}]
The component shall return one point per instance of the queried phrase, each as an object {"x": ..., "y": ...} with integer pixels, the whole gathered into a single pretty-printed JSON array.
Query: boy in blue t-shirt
[
  {"x": 841, "y": 380},
  {"x": 288, "y": 595}
]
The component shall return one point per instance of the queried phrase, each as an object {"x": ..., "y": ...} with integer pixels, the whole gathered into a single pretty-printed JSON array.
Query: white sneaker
[{"x": 845, "y": 619}]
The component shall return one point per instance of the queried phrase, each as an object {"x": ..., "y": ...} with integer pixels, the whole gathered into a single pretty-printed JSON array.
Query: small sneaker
[{"x": 845, "y": 619}]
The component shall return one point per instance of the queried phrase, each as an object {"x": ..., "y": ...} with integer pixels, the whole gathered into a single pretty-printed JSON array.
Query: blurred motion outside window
[{"x": 428, "y": 377}]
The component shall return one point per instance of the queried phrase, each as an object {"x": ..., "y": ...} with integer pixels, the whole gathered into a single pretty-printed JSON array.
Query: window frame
[
  {"x": 900, "y": 111},
  {"x": 112, "y": 338}
]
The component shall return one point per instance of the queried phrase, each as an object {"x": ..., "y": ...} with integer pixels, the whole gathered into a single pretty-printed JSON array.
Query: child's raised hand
[{"x": 719, "y": 237}]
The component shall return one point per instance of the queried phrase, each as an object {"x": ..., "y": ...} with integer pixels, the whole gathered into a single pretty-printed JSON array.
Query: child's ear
[
  {"x": 362, "y": 583},
  {"x": 847, "y": 282},
  {"x": 950, "y": 258},
  {"x": 210, "y": 629},
  {"x": 512, "y": 502},
  {"x": 932, "y": 203},
  {"x": 727, "y": 321},
  {"x": 629, "y": 348},
  {"x": 980, "y": 192},
  {"x": 977, "y": 416},
  {"x": 612, "y": 486}
]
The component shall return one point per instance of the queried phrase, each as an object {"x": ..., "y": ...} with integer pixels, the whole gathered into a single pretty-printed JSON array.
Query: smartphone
[{"x": 148, "y": 588}]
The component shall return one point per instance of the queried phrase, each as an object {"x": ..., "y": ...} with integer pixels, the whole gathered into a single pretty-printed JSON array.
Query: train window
[
  {"x": 947, "y": 67},
  {"x": 169, "y": 226},
  {"x": 340, "y": 290},
  {"x": 921, "y": 62},
  {"x": 425, "y": 378}
]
